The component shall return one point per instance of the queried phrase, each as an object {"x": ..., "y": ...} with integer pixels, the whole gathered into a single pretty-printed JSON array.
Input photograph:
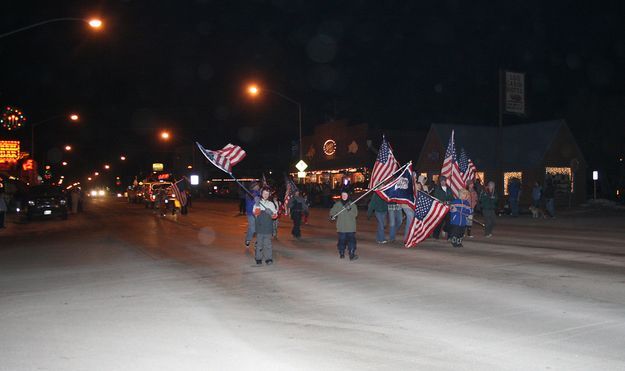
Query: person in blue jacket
[
  {"x": 459, "y": 211},
  {"x": 250, "y": 201}
]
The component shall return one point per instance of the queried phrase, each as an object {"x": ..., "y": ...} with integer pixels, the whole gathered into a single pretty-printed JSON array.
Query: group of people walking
[
  {"x": 263, "y": 210},
  {"x": 263, "y": 213}
]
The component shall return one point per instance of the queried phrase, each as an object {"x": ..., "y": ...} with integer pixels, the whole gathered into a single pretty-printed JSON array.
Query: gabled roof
[{"x": 525, "y": 145}]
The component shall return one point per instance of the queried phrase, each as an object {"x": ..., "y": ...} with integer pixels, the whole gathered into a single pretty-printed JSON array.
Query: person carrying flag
[
  {"x": 443, "y": 193},
  {"x": 265, "y": 212},
  {"x": 297, "y": 207},
  {"x": 250, "y": 200},
  {"x": 345, "y": 225},
  {"x": 460, "y": 210}
]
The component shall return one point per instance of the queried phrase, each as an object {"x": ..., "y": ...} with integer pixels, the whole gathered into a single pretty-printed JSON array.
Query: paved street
[{"x": 119, "y": 288}]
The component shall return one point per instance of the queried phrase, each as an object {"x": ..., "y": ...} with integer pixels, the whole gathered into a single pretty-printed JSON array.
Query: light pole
[
  {"x": 94, "y": 23},
  {"x": 72, "y": 117},
  {"x": 254, "y": 90}
]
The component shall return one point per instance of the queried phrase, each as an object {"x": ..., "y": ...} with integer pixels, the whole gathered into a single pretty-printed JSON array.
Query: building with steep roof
[{"x": 530, "y": 152}]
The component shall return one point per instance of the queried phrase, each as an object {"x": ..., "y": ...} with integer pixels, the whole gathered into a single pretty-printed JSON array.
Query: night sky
[{"x": 183, "y": 65}]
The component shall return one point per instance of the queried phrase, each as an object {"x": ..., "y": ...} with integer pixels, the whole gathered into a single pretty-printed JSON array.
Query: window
[
  {"x": 562, "y": 178},
  {"x": 508, "y": 176}
]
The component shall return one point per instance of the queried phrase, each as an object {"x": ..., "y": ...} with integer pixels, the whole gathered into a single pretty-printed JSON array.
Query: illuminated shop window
[
  {"x": 508, "y": 176},
  {"x": 562, "y": 178}
]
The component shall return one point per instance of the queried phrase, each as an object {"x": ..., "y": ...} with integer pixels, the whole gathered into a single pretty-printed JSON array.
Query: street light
[
  {"x": 94, "y": 23},
  {"x": 68, "y": 148},
  {"x": 64, "y": 163},
  {"x": 107, "y": 166},
  {"x": 165, "y": 135},
  {"x": 254, "y": 90},
  {"x": 123, "y": 158},
  {"x": 73, "y": 117}
]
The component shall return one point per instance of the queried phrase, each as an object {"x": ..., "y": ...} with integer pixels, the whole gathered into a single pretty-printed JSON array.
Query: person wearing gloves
[
  {"x": 345, "y": 225},
  {"x": 265, "y": 212}
]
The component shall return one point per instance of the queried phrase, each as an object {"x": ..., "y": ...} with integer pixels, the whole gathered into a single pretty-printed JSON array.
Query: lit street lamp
[
  {"x": 254, "y": 90},
  {"x": 73, "y": 117},
  {"x": 107, "y": 166},
  {"x": 165, "y": 135},
  {"x": 68, "y": 148},
  {"x": 94, "y": 23},
  {"x": 123, "y": 158}
]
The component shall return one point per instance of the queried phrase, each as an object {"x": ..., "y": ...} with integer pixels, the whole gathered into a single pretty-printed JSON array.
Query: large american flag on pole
[
  {"x": 179, "y": 189},
  {"x": 224, "y": 158},
  {"x": 385, "y": 164},
  {"x": 467, "y": 167},
  {"x": 428, "y": 214},
  {"x": 291, "y": 188},
  {"x": 450, "y": 169}
]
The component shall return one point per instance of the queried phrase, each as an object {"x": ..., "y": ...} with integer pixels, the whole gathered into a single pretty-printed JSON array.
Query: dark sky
[{"x": 183, "y": 65}]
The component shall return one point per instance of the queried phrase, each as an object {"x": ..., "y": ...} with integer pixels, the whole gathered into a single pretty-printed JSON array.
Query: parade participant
[
  {"x": 460, "y": 210},
  {"x": 443, "y": 193},
  {"x": 250, "y": 200},
  {"x": 265, "y": 212},
  {"x": 474, "y": 198},
  {"x": 488, "y": 203},
  {"x": 345, "y": 225},
  {"x": 297, "y": 207},
  {"x": 378, "y": 207},
  {"x": 423, "y": 182},
  {"x": 395, "y": 217},
  {"x": 278, "y": 205}
]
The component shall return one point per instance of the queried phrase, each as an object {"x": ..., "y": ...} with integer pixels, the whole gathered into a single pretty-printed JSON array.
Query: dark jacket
[
  {"x": 264, "y": 220},
  {"x": 297, "y": 204},
  {"x": 441, "y": 194},
  {"x": 488, "y": 201},
  {"x": 376, "y": 205}
]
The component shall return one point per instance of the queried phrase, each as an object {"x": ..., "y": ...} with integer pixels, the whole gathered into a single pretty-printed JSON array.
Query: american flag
[
  {"x": 224, "y": 158},
  {"x": 427, "y": 215},
  {"x": 291, "y": 188},
  {"x": 385, "y": 164},
  {"x": 450, "y": 169},
  {"x": 467, "y": 167},
  {"x": 179, "y": 189}
]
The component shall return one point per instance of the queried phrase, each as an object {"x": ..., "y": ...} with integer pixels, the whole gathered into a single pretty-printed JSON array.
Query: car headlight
[
  {"x": 31, "y": 203},
  {"x": 62, "y": 202},
  {"x": 94, "y": 193},
  {"x": 100, "y": 193}
]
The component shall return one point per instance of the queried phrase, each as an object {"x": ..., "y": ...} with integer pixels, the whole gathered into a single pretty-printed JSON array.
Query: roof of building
[{"x": 525, "y": 145}]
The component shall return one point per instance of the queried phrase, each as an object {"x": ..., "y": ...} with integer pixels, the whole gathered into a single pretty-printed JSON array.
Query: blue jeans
[
  {"x": 251, "y": 227},
  {"x": 409, "y": 216},
  {"x": 347, "y": 239},
  {"x": 381, "y": 217},
  {"x": 394, "y": 222}
]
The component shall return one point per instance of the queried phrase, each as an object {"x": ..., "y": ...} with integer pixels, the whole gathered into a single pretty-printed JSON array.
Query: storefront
[
  {"x": 531, "y": 153},
  {"x": 338, "y": 153}
]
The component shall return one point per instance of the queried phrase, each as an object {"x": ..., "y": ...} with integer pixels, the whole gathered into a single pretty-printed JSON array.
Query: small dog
[{"x": 537, "y": 212}]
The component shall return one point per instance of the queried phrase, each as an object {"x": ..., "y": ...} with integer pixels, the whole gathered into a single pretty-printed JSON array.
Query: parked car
[{"x": 44, "y": 201}]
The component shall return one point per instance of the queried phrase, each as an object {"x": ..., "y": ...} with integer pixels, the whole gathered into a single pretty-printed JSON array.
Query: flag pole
[
  {"x": 231, "y": 176},
  {"x": 371, "y": 189}
]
